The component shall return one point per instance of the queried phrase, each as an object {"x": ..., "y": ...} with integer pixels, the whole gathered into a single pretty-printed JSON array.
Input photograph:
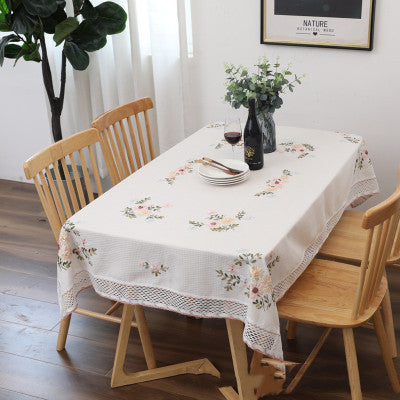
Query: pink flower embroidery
[
  {"x": 219, "y": 222},
  {"x": 173, "y": 175},
  {"x": 303, "y": 149},
  {"x": 233, "y": 269},
  {"x": 257, "y": 284},
  {"x": 273, "y": 185}
]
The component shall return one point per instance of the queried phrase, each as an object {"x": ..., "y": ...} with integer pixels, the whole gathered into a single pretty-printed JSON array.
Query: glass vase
[{"x": 267, "y": 125}]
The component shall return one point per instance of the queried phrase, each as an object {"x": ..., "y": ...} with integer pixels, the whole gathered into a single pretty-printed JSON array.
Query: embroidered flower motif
[
  {"x": 65, "y": 253},
  {"x": 155, "y": 269},
  {"x": 183, "y": 170},
  {"x": 223, "y": 143},
  {"x": 272, "y": 185},
  {"x": 66, "y": 249},
  {"x": 250, "y": 274},
  {"x": 363, "y": 158},
  {"x": 140, "y": 209},
  {"x": 215, "y": 125},
  {"x": 219, "y": 222},
  {"x": 303, "y": 150},
  {"x": 351, "y": 138}
]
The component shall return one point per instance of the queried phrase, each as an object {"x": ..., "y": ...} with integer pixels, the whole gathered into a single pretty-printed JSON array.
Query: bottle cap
[{"x": 252, "y": 101}]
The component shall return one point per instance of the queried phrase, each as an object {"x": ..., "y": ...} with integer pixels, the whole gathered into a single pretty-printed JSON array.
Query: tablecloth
[{"x": 164, "y": 238}]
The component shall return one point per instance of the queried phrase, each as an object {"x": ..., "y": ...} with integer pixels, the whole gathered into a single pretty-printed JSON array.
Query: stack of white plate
[{"x": 216, "y": 177}]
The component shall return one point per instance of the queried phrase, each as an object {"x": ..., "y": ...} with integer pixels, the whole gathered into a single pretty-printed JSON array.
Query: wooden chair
[
  {"x": 346, "y": 243},
  {"x": 333, "y": 294},
  {"x": 61, "y": 202},
  {"x": 122, "y": 151}
]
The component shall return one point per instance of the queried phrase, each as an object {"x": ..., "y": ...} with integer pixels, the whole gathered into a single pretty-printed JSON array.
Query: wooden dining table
[{"x": 164, "y": 238}]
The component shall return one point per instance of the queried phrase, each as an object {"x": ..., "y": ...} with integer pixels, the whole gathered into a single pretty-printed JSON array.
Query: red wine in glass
[
  {"x": 232, "y": 132},
  {"x": 233, "y": 137}
]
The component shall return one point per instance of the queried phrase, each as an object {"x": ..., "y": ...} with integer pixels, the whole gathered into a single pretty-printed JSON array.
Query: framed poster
[{"x": 346, "y": 24}]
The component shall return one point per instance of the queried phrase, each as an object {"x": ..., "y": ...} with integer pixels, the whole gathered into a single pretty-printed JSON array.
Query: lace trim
[
  {"x": 257, "y": 338},
  {"x": 359, "y": 193}
]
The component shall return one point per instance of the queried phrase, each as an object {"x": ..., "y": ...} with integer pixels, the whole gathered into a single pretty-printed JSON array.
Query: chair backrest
[
  {"x": 382, "y": 222},
  {"x": 395, "y": 253},
  {"x": 124, "y": 155},
  {"x": 60, "y": 199}
]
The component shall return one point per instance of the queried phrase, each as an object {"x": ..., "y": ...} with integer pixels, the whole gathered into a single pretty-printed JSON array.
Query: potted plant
[
  {"x": 85, "y": 31},
  {"x": 266, "y": 86}
]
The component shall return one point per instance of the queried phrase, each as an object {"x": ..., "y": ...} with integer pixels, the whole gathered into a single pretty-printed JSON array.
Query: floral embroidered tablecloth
[{"x": 164, "y": 238}]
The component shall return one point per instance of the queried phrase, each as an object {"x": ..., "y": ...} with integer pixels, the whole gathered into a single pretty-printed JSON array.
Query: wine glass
[{"x": 233, "y": 132}]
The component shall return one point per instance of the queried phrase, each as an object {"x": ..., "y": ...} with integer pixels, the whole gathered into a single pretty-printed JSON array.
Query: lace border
[{"x": 359, "y": 193}]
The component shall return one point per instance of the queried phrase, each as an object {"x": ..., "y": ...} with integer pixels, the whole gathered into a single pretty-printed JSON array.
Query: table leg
[
  {"x": 247, "y": 384},
  {"x": 120, "y": 377},
  {"x": 271, "y": 384}
]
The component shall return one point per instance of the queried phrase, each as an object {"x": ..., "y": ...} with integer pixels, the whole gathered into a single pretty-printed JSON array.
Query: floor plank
[
  {"x": 34, "y": 313},
  {"x": 51, "y": 382},
  {"x": 39, "y": 344},
  {"x": 9, "y": 395},
  {"x": 28, "y": 285}
]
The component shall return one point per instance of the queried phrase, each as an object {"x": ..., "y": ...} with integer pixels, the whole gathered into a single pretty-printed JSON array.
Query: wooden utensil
[
  {"x": 222, "y": 165},
  {"x": 214, "y": 166}
]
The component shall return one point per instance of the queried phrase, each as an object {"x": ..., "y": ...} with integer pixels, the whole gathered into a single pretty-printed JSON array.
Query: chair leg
[
  {"x": 386, "y": 351},
  {"x": 352, "y": 364},
  {"x": 291, "y": 328},
  {"x": 388, "y": 323},
  {"x": 63, "y": 332}
]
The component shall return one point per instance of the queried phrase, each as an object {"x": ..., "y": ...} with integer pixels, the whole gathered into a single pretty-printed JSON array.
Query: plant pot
[
  {"x": 267, "y": 125},
  {"x": 67, "y": 191}
]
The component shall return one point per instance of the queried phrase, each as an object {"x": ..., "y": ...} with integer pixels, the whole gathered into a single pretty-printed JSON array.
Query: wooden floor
[{"x": 31, "y": 368}]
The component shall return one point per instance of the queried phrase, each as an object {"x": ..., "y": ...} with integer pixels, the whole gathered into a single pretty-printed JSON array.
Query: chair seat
[
  {"x": 347, "y": 240},
  {"x": 325, "y": 294}
]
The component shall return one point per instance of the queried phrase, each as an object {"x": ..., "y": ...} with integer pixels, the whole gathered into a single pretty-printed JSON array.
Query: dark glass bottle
[{"x": 253, "y": 140}]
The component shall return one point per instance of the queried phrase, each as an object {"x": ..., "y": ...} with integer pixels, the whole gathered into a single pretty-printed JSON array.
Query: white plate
[
  {"x": 230, "y": 179},
  {"x": 214, "y": 173},
  {"x": 225, "y": 183}
]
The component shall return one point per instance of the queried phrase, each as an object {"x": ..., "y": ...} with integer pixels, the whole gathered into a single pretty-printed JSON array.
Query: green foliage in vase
[
  {"x": 266, "y": 85},
  {"x": 28, "y": 21}
]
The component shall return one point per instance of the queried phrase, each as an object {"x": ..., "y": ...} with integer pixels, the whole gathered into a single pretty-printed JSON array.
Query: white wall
[
  {"x": 345, "y": 90},
  {"x": 24, "y": 128}
]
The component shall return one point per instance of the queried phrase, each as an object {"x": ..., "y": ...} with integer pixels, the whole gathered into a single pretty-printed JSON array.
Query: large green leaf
[
  {"x": 12, "y": 50},
  {"x": 64, "y": 29},
  {"x": 90, "y": 36},
  {"x": 112, "y": 16},
  {"x": 22, "y": 22},
  {"x": 50, "y": 23},
  {"x": 32, "y": 52},
  {"x": 78, "y": 58},
  {"x": 3, "y": 7},
  {"x": 4, "y": 41},
  {"x": 88, "y": 11},
  {"x": 42, "y": 8},
  {"x": 4, "y": 25}
]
